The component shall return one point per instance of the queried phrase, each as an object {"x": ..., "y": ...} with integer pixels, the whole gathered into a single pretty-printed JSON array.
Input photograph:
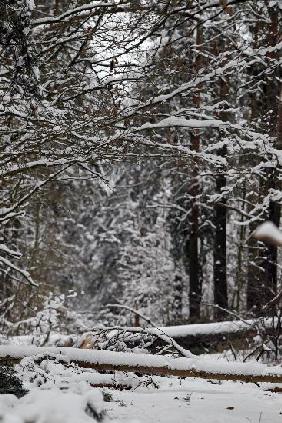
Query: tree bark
[
  {"x": 274, "y": 121},
  {"x": 219, "y": 253},
  {"x": 177, "y": 299},
  {"x": 161, "y": 366},
  {"x": 195, "y": 291}
]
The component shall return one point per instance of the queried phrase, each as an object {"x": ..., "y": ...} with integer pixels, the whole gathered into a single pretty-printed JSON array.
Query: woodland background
[{"x": 140, "y": 148}]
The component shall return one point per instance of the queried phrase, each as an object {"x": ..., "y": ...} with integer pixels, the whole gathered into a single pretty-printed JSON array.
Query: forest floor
[
  {"x": 197, "y": 401},
  {"x": 193, "y": 400},
  {"x": 57, "y": 394},
  {"x": 60, "y": 392}
]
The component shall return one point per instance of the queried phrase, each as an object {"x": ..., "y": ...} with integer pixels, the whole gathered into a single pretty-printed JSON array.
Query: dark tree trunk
[
  {"x": 220, "y": 211},
  {"x": 270, "y": 265},
  {"x": 219, "y": 252},
  {"x": 194, "y": 268},
  {"x": 262, "y": 266},
  {"x": 177, "y": 300},
  {"x": 255, "y": 276},
  {"x": 192, "y": 245},
  {"x": 195, "y": 292},
  {"x": 272, "y": 174}
]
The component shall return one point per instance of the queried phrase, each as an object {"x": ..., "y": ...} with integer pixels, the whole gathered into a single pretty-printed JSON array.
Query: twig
[
  {"x": 231, "y": 313},
  {"x": 164, "y": 336},
  {"x": 274, "y": 301}
]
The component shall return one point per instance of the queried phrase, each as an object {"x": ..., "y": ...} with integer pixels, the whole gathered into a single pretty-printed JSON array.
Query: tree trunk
[
  {"x": 154, "y": 365},
  {"x": 262, "y": 280},
  {"x": 255, "y": 274},
  {"x": 262, "y": 267},
  {"x": 177, "y": 300},
  {"x": 220, "y": 220},
  {"x": 195, "y": 291},
  {"x": 274, "y": 121},
  {"x": 219, "y": 253}
]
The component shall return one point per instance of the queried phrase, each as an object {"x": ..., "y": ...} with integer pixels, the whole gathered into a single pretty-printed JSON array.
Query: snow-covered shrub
[
  {"x": 58, "y": 392},
  {"x": 127, "y": 340},
  {"x": 54, "y": 318}
]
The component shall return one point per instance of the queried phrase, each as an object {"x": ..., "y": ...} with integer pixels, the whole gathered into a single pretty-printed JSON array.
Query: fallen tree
[
  {"x": 197, "y": 338},
  {"x": 218, "y": 336},
  {"x": 148, "y": 364}
]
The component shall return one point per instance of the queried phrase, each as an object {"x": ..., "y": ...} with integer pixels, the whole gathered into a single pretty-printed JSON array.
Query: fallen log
[
  {"x": 203, "y": 337},
  {"x": 182, "y": 340},
  {"x": 148, "y": 364},
  {"x": 218, "y": 336}
]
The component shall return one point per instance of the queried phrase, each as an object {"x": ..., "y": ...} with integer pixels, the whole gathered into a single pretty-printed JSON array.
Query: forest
[{"x": 140, "y": 175}]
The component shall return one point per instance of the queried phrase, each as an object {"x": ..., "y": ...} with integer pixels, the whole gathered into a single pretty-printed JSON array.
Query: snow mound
[
  {"x": 51, "y": 406},
  {"x": 269, "y": 233}
]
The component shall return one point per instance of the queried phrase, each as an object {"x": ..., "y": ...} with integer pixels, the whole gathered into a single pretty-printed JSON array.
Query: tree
[
  {"x": 264, "y": 95},
  {"x": 165, "y": 98}
]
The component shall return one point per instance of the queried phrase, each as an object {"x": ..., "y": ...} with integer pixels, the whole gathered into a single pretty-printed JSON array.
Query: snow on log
[
  {"x": 218, "y": 328},
  {"x": 184, "y": 123},
  {"x": 208, "y": 329},
  {"x": 215, "y": 336},
  {"x": 269, "y": 233},
  {"x": 148, "y": 364}
]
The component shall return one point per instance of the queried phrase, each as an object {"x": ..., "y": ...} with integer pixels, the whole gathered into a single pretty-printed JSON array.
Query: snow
[
  {"x": 5, "y": 249},
  {"x": 78, "y": 11},
  {"x": 31, "y": 4},
  {"x": 185, "y": 123},
  {"x": 60, "y": 393},
  {"x": 24, "y": 273},
  {"x": 210, "y": 328},
  {"x": 268, "y": 232},
  {"x": 47, "y": 406},
  {"x": 119, "y": 359},
  {"x": 197, "y": 401},
  {"x": 166, "y": 400}
]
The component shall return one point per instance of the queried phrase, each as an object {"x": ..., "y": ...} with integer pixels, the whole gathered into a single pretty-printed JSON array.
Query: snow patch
[{"x": 269, "y": 233}]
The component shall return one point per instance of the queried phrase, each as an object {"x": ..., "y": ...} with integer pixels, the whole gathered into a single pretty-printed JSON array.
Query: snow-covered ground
[
  {"x": 197, "y": 401},
  {"x": 175, "y": 400},
  {"x": 61, "y": 393}
]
